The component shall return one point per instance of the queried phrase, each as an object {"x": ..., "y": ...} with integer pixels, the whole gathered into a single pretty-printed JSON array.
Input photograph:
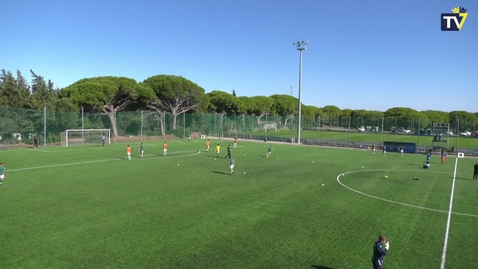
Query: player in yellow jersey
[{"x": 218, "y": 150}]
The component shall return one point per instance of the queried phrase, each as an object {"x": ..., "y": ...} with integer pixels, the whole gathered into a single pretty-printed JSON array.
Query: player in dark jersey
[
  {"x": 228, "y": 152},
  {"x": 475, "y": 171},
  {"x": 380, "y": 250}
]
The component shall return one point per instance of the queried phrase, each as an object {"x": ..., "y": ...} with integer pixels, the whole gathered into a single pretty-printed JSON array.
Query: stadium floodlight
[{"x": 300, "y": 46}]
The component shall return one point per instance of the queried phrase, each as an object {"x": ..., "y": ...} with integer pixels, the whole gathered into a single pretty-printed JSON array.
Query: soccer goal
[
  {"x": 270, "y": 126},
  {"x": 85, "y": 136}
]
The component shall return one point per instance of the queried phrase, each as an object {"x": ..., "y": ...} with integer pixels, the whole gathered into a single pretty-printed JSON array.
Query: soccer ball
[
  {"x": 214, "y": 158},
  {"x": 323, "y": 185},
  {"x": 244, "y": 173},
  {"x": 386, "y": 176},
  {"x": 178, "y": 164}
]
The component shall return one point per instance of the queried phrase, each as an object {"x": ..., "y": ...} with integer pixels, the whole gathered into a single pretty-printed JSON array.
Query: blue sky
[{"x": 370, "y": 54}]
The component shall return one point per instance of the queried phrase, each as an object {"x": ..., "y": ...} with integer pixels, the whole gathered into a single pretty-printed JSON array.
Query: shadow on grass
[
  {"x": 212, "y": 156},
  {"x": 320, "y": 267},
  {"x": 465, "y": 178},
  {"x": 218, "y": 172},
  {"x": 132, "y": 157}
]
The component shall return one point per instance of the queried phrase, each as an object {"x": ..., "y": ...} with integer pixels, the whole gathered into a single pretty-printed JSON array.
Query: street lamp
[{"x": 300, "y": 46}]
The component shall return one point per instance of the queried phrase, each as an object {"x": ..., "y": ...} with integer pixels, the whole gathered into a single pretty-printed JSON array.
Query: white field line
[
  {"x": 73, "y": 150},
  {"x": 99, "y": 161},
  {"x": 40, "y": 150},
  {"x": 394, "y": 202},
  {"x": 447, "y": 231}
]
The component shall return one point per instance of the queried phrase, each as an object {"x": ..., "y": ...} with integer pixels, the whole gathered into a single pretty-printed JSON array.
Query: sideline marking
[
  {"x": 394, "y": 202},
  {"x": 447, "y": 231},
  {"x": 99, "y": 161}
]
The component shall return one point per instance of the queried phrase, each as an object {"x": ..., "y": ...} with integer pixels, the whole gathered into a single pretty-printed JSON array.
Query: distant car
[
  {"x": 407, "y": 131},
  {"x": 361, "y": 129},
  {"x": 465, "y": 133},
  {"x": 449, "y": 133}
]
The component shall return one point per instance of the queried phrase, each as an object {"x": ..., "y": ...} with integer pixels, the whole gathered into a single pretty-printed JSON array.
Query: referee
[{"x": 228, "y": 152}]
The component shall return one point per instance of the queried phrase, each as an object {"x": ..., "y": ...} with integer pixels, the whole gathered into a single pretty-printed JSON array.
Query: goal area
[{"x": 85, "y": 136}]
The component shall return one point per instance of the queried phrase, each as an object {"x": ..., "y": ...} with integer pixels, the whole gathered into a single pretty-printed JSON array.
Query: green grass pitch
[
  {"x": 89, "y": 207},
  {"x": 370, "y": 137}
]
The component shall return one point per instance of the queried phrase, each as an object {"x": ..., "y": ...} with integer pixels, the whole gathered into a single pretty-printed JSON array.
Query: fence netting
[{"x": 22, "y": 125}]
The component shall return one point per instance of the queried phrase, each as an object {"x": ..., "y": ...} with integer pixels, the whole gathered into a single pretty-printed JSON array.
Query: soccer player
[
  {"x": 269, "y": 151},
  {"x": 128, "y": 152},
  {"x": 401, "y": 150},
  {"x": 475, "y": 171},
  {"x": 35, "y": 142},
  {"x": 228, "y": 152},
  {"x": 231, "y": 165},
  {"x": 429, "y": 155},
  {"x": 141, "y": 150},
  {"x": 165, "y": 149},
  {"x": 189, "y": 138},
  {"x": 2, "y": 173},
  {"x": 208, "y": 143},
  {"x": 235, "y": 142},
  {"x": 373, "y": 149},
  {"x": 380, "y": 250},
  {"x": 384, "y": 150},
  {"x": 265, "y": 142},
  {"x": 104, "y": 140},
  {"x": 218, "y": 150},
  {"x": 443, "y": 155}
]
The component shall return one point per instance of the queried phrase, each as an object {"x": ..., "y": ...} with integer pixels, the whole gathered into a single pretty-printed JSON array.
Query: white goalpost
[{"x": 85, "y": 136}]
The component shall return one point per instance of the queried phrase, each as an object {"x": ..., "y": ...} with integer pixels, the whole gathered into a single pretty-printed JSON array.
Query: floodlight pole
[
  {"x": 82, "y": 126},
  {"x": 44, "y": 126},
  {"x": 300, "y": 46}
]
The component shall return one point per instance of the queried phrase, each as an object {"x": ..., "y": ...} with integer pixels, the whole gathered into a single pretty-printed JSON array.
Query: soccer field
[
  {"x": 303, "y": 207},
  {"x": 370, "y": 137}
]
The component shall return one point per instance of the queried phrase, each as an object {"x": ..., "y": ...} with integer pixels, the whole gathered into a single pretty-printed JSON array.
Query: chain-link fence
[{"x": 22, "y": 125}]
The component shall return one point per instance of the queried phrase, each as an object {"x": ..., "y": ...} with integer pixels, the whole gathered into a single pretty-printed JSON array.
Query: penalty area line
[
  {"x": 97, "y": 161},
  {"x": 60, "y": 165}
]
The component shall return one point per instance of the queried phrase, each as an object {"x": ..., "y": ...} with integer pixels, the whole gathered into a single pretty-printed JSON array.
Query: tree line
[{"x": 176, "y": 95}]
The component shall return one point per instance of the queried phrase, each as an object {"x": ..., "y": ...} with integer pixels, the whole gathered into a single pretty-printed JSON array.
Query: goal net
[
  {"x": 85, "y": 136},
  {"x": 270, "y": 126}
]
